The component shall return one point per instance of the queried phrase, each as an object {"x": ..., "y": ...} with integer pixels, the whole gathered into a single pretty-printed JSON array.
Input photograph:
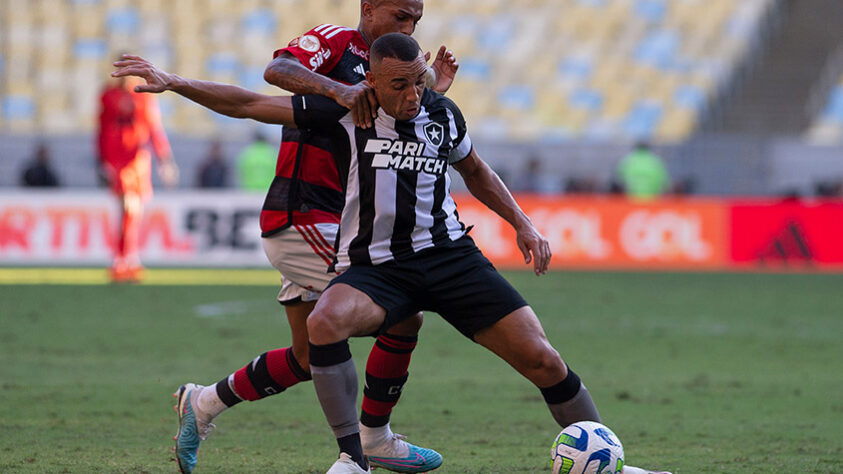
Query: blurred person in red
[{"x": 130, "y": 123}]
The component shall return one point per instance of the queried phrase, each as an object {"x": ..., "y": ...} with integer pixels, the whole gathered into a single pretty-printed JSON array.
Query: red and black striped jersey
[{"x": 306, "y": 188}]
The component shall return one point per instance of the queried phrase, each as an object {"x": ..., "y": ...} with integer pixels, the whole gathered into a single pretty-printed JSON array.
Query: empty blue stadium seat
[
  {"x": 125, "y": 20},
  {"x": 650, "y": 10},
  {"x": 260, "y": 21},
  {"x": 474, "y": 68},
  {"x": 517, "y": 97},
  {"x": 578, "y": 67},
  {"x": 90, "y": 48},
  {"x": 18, "y": 108},
  {"x": 642, "y": 119},
  {"x": 586, "y": 98}
]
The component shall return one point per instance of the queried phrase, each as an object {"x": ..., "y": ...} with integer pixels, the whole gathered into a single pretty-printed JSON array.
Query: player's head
[
  {"x": 379, "y": 17},
  {"x": 397, "y": 74}
]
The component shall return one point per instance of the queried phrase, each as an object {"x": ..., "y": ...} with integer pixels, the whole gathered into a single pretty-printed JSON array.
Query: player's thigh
[
  {"x": 519, "y": 339},
  {"x": 343, "y": 311},
  {"x": 409, "y": 327},
  {"x": 302, "y": 256}
]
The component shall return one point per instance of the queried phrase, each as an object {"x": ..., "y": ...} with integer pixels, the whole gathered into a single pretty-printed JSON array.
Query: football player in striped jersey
[{"x": 402, "y": 247}]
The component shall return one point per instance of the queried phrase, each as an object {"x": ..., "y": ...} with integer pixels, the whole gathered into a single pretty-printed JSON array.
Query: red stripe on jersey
[
  {"x": 315, "y": 216},
  {"x": 272, "y": 221},
  {"x": 317, "y": 165}
]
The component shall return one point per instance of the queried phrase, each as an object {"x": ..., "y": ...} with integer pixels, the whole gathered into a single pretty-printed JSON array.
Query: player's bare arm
[
  {"x": 288, "y": 73},
  {"x": 487, "y": 187},
  {"x": 225, "y": 99}
]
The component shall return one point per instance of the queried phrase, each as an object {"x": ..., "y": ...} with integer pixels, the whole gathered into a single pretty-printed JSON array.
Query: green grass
[{"x": 697, "y": 373}]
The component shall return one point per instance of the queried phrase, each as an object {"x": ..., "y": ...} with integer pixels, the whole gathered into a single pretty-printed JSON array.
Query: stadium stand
[
  {"x": 551, "y": 70},
  {"x": 828, "y": 126}
]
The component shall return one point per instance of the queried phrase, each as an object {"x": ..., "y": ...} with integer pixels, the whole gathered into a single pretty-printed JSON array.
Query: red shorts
[{"x": 133, "y": 178}]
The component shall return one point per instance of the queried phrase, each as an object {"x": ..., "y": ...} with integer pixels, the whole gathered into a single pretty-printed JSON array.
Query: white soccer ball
[{"x": 587, "y": 447}]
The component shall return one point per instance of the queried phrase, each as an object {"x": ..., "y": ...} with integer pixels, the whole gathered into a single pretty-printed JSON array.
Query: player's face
[
  {"x": 392, "y": 16},
  {"x": 399, "y": 85}
]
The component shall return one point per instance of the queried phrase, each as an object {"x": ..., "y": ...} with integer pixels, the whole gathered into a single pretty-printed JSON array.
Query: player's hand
[
  {"x": 445, "y": 68},
  {"x": 360, "y": 100},
  {"x": 168, "y": 171},
  {"x": 534, "y": 247},
  {"x": 157, "y": 80}
]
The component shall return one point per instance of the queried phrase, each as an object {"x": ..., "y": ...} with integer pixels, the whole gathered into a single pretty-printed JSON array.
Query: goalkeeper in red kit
[{"x": 129, "y": 125}]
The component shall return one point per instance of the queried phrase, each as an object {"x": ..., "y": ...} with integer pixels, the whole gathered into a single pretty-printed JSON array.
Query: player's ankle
[
  {"x": 208, "y": 404},
  {"x": 372, "y": 436}
]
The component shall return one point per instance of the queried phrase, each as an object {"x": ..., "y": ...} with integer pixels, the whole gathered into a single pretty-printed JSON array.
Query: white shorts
[{"x": 302, "y": 253}]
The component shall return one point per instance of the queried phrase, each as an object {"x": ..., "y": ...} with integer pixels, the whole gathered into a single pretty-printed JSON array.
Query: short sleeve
[
  {"x": 316, "y": 111},
  {"x": 320, "y": 48},
  {"x": 461, "y": 150},
  {"x": 461, "y": 144}
]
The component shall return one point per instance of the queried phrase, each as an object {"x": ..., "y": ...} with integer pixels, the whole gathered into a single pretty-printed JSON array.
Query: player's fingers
[
  {"x": 126, "y": 63},
  {"x": 545, "y": 256},
  {"x": 442, "y": 52},
  {"x": 525, "y": 251},
  {"x": 125, "y": 71},
  {"x": 427, "y": 56},
  {"x": 373, "y": 102},
  {"x": 148, "y": 88},
  {"x": 363, "y": 114},
  {"x": 366, "y": 107},
  {"x": 355, "y": 117}
]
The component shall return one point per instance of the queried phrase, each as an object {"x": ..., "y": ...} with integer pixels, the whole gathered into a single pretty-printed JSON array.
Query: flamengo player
[
  {"x": 402, "y": 247},
  {"x": 299, "y": 224},
  {"x": 129, "y": 123}
]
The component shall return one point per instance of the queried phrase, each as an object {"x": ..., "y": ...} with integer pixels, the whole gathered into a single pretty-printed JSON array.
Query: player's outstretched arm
[
  {"x": 487, "y": 187},
  {"x": 225, "y": 99},
  {"x": 288, "y": 73}
]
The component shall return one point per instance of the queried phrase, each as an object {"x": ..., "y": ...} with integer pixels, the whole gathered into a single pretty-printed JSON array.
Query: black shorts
[{"x": 455, "y": 280}]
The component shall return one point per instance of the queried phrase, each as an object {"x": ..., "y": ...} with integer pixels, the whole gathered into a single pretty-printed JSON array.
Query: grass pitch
[{"x": 697, "y": 373}]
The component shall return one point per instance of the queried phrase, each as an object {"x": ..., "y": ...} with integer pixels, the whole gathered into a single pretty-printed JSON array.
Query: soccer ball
[{"x": 587, "y": 447}]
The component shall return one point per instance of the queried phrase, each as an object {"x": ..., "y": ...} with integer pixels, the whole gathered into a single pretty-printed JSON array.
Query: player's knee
[
  {"x": 408, "y": 327},
  {"x": 323, "y": 327},
  {"x": 543, "y": 365}
]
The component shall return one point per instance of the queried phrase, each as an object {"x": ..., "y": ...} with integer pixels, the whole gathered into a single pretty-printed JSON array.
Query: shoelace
[
  {"x": 204, "y": 429},
  {"x": 396, "y": 441}
]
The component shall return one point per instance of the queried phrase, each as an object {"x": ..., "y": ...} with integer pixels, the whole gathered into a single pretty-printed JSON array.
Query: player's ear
[
  {"x": 370, "y": 78},
  {"x": 366, "y": 10}
]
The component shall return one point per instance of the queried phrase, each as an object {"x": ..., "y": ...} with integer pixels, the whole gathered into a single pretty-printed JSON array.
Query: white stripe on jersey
[
  {"x": 386, "y": 181},
  {"x": 323, "y": 26},
  {"x": 424, "y": 190},
  {"x": 453, "y": 225},
  {"x": 350, "y": 222},
  {"x": 334, "y": 33}
]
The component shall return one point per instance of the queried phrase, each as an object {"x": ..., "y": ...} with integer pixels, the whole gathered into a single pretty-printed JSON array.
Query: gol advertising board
[
  {"x": 609, "y": 232},
  {"x": 79, "y": 228},
  {"x": 219, "y": 229}
]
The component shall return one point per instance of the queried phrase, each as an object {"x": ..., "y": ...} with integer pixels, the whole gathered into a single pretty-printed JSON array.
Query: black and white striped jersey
[{"x": 397, "y": 188}]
